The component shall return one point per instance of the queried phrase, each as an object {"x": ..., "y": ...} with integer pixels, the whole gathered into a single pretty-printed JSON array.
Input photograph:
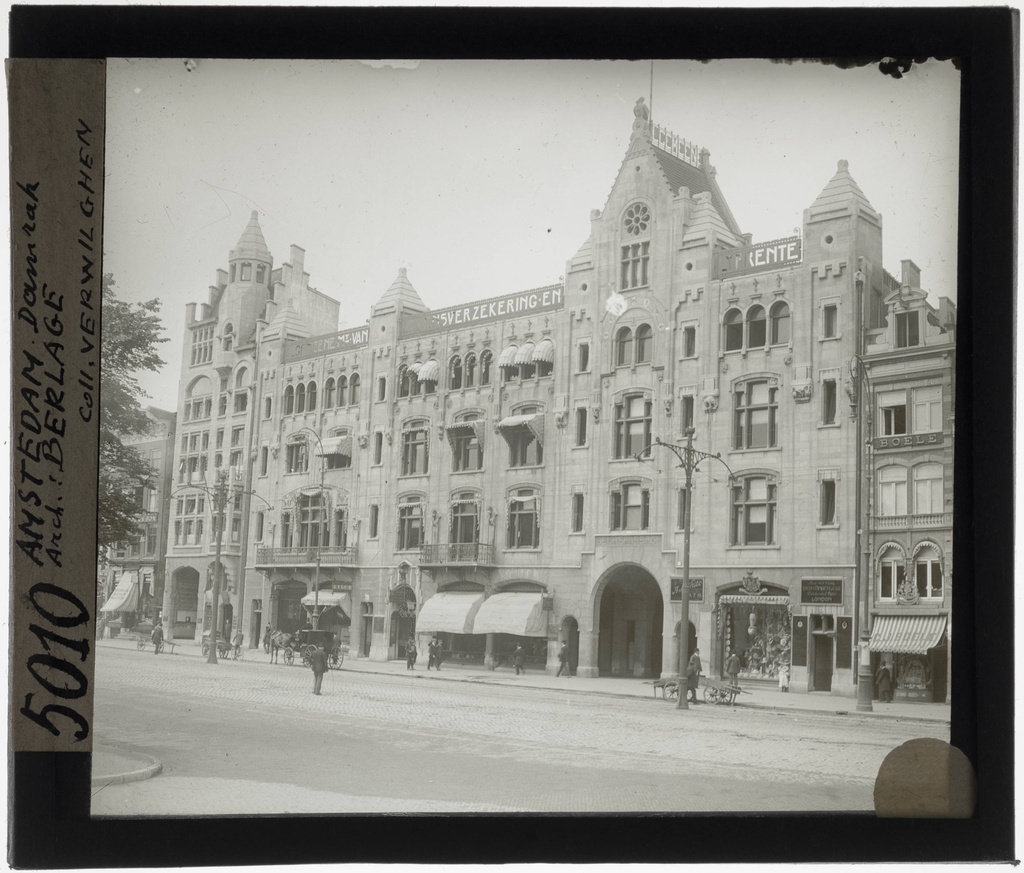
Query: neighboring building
[
  {"x": 910, "y": 368},
  {"x": 131, "y": 579},
  {"x": 471, "y": 472}
]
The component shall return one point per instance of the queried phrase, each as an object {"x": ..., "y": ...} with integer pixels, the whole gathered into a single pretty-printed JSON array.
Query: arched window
[
  {"x": 311, "y": 396},
  {"x": 241, "y": 378},
  {"x": 780, "y": 323},
  {"x": 403, "y": 381},
  {"x": 733, "y": 327},
  {"x": 892, "y": 491},
  {"x": 410, "y": 522},
  {"x": 756, "y": 324},
  {"x": 415, "y": 448},
  {"x": 928, "y": 573},
  {"x": 928, "y": 498},
  {"x": 485, "y": 367},
  {"x": 300, "y": 398},
  {"x": 353, "y": 390},
  {"x": 246, "y": 272},
  {"x": 229, "y": 336},
  {"x": 329, "y": 394},
  {"x": 455, "y": 373},
  {"x": 268, "y": 407},
  {"x": 892, "y": 573},
  {"x": 289, "y": 400},
  {"x": 470, "y": 370},
  {"x": 644, "y": 344},
  {"x": 342, "y": 391},
  {"x": 523, "y": 530},
  {"x": 261, "y": 273},
  {"x": 624, "y": 347}
]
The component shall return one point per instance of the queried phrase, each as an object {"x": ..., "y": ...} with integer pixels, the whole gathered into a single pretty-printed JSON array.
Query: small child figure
[{"x": 784, "y": 677}]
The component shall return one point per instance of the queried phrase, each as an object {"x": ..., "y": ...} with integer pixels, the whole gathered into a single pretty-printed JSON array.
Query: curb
[{"x": 146, "y": 772}]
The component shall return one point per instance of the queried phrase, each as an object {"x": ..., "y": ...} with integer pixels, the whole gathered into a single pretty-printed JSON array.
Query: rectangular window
[
  {"x": 236, "y": 530},
  {"x": 410, "y": 525},
  {"x": 583, "y": 361},
  {"x": 258, "y": 527},
  {"x": 687, "y": 401},
  {"x": 415, "y": 451},
  {"x": 756, "y": 408},
  {"x": 296, "y": 458},
  {"x": 929, "y": 579},
  {"x": 907, "y": 330},
  {"x": 236, "y": 436},
  {"x": 466, "y": 451},
  {"x": 151, "y": 539},
  {"x": 891, "y": 578},
  {"x": 264, "y": 460},
  {"x": 310, "y": 521},
  {"x": 928, "y": 488},
  {"x": 382, "y": 387},
  {"x": 828, "y": 401},
  {"x": 577, "y": 513},
  {"x": 465, "y": 521},
  {"x": 524, "y": 449},
  {"x": 635, "y": 258},
  {"x": 268, "y": 405},
  {"x": 892, "y": 413},
  {"x": 581, "y": 425},
  {"x": 681, "y": 510},
  {"x": 830, "y": 321},
  {"x": 374, "y": 520},
  {"x": 241, "y": 401},
  {"x": 378, "y": 448},
  {"x": 927, "y": 409},
  {"x": 631, "y": 506},
  {"x": 338, "y": 461},
  {"x": 753, "y": 512},
  {"x": 632, "y": 427},
  {"x": 690, "y": 342},
  {"x": 827, "y": 513},
  {"x": 340, "y": 529},
  {"x": 892, "y": 491},
  {"x": 523, "y": 531}
]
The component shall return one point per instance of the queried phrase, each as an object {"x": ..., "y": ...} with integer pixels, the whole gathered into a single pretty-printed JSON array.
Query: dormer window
[{"x": 907, "y": 329}]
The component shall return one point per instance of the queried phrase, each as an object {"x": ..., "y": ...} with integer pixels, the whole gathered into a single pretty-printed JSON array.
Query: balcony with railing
[
  {"x": 305, "y": 556},
  {"x": 456, "y": 555},
  {"x": 912, "y": 522}
]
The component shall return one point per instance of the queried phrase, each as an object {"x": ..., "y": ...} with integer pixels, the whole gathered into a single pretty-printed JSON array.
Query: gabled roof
[
  {"x": 251, "y": 243},
  {"x": 401, "y": 295},
  {"x": 680, "y": 174},
  {"x": 841, "y": 190},
  {"x": 287, "y": 323}
]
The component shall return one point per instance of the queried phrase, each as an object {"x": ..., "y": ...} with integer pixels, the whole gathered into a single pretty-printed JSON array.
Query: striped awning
[
  {"x": 460, "y": 427},
  {"x": 415, "y": 367},
  {"x": 508, "y": 357},
  {"x": 324, "y": 598},
  {"x": 777, "y": 599},
  {"x": 545, "y": 351},
  {"x": 525, "y": 353},
  {"x": 906, "y": 634},
  {"x": 429, "y": 372},
  {"x": 125, "y": 597},
  {"x": 534, "y": 421},
  {"x": 520, "y": 613},
  {"x": 449, "y": 611},
  {"x": 341, "y": 445}
]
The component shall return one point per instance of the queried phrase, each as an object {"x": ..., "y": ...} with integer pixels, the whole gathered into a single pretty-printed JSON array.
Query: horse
[{"x": 279, "y": 640}]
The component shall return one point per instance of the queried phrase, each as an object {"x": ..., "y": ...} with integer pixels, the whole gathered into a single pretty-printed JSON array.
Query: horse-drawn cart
[{"x": 303, "y": 643}]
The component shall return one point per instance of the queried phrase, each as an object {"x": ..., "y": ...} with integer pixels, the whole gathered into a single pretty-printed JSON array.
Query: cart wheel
[
  {"x": 672, "y": 691},
  {"x": 289, "y": 656},
  {"x": 140, "y": 644},
  {"x": 710, "y": 694},
  {"x": 334, "y": 659}
]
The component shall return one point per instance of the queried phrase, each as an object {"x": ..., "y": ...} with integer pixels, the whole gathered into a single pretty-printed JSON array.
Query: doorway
[
  {"x": 630, "y": 611},
  {"x": 822, "y": 655},
  {"x": 571, "y": 637}
]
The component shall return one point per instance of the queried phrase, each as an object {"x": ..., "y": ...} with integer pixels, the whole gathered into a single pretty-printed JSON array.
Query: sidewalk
[{"x": 759, "y": 696}]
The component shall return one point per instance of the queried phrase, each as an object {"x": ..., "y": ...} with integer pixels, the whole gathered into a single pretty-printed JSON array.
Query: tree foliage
[{"x": 131, "y": 334}]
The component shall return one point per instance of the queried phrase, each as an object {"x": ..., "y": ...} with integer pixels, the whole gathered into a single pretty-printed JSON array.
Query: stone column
[
  {"x": 166, "y": 610},
  {"x": 587, "y": 667},
  {"x": 490, "y": 662}
]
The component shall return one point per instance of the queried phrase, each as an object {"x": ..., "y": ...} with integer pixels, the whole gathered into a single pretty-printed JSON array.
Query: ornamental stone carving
[
  {"x": 802, "y": 392},
  {"x": 561, "y": 418},
  {"x": 710, "y": 401},
  {"x": 363, "y": 439}
]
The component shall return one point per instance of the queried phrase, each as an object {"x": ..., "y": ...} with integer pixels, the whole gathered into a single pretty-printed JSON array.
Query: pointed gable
[
  {"x": 400, "y": 296},
  {"x": 252, "y": 244},
  {"x": 286, "y": 324},
  {"x": 842, "y": 193}
]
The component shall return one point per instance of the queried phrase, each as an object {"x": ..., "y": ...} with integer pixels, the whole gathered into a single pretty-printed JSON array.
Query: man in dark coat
[
  {"x": 410, "y": 654},
  {"x": 563, "y": 660},
  {"x": 732, "y": 667},
  {"x": 158, "y": 638},
  {"x": 318, "y": 664},
  {"x": 434, "y": 655},
  {"x": 519, "y": 659},
  {"x": 693, "y": 671},
  {"x": 884, "y": 681}
]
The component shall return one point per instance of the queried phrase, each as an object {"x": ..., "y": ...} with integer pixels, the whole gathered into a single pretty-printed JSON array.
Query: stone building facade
[{"x": 485, "y": 473}]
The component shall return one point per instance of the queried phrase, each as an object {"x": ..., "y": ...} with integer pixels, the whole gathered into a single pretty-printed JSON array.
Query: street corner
[{"x": 112, "y": 766}]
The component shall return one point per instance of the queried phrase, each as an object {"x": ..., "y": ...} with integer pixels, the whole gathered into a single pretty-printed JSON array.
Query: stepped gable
[
  {"x": 839, "y": 192},
  {"x": 401, "y": 295},
  {"x": 251, "y": 244}
]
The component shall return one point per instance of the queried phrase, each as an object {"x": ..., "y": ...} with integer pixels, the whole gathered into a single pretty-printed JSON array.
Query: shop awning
[
  {"x": 906, "y": 634},
  {"x": 460, "y": 428},
  {"x": 534, "y": 421},
  {"x": 776, "y": 599},
  {"x": 125, "y": 597},
  {"x": 545, "y": 351},
  {"x": 415, "y": 367},
  {"x": 325, "y": 598},
  {"x": 450, "y": 611},
  {"x": 341, "y": 445},
  {"x": 508, "y": 356},
  {"x": 512, "y": 612},
  {"x": 429, "y": 372},
  {"x": 525, "y": 353}
]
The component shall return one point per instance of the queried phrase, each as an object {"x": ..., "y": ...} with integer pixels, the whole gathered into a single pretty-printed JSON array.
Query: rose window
[{"x": 638, "y": 217}]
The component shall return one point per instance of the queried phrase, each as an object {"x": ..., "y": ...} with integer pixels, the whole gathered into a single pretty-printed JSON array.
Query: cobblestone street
[{"x": 401, "y": 743}]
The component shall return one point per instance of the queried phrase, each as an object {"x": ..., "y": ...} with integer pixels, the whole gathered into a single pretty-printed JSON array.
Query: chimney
[
  {"x": 190, "y": 313},
  {"x": 296, "y": 258},
  {"x": 911, "y": 275}
]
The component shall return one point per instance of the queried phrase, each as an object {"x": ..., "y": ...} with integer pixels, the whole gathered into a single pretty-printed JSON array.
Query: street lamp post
[
  {"x": 320, "y": 530},
  {"x": 689, "y": 458},
  {"x": 220, "y": 500}
]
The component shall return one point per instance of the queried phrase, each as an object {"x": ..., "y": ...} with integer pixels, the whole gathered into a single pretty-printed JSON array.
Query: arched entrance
[
  {"x": 570, "y": 634},
  {"x": 629, "y": 610},
  {"x": 403, "y": 620},
  {"x": 182, "y": 603}
]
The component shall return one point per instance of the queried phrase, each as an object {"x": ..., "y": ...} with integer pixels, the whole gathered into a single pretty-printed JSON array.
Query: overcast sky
[{"x": 479, "y": 176}]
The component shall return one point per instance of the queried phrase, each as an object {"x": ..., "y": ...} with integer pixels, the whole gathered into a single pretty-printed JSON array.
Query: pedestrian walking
[
  {"x": 563, "y": 660},
  {"x": 158, "y": 639},
  {"x": 434, "y": 654},
  {"x": 693, "y": 671},
  {"x": 266, "y": 639},
  {"x": 883, "y": 679},
  {"x": 784, "y": 677},
  {"x": 318, "y": 664},
  {"x": 519, "y": 659},
  {"x": 410, "y": 654},
  {"x": 732, "y": 667},
  {"x": 237, "y": 642}
]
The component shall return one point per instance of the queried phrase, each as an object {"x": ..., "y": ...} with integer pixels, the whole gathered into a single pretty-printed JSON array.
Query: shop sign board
[
  {"x": 909, "y": 440},
  {"x": 296, "y": 350},
  {"x": 760, "y": 256},
  {"x": 696, "y": 589},
  {"x": 821, "y": 591},
  {"x": 527, "y": 303}
]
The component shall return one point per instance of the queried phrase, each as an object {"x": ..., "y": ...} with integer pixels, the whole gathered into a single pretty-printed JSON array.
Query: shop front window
[{"x": 759, "y": 634}]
